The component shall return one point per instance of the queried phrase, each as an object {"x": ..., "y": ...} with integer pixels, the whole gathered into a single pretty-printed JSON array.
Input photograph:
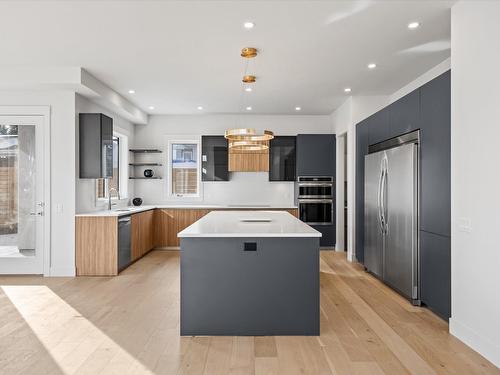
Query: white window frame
[
  {"x": 168, "y": 173},
  {"x": 123, "y": 168}
]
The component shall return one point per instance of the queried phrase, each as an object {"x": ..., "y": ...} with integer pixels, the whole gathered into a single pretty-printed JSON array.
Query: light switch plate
[{"x": 465, "y": 225}]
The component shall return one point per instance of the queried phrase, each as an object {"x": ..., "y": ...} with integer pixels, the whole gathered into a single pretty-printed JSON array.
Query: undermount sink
[{"x": 123, "y": 210}]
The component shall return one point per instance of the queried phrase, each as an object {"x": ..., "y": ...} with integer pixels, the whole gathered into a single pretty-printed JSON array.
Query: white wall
[
  {"x": 475, "y": 132},
  {"x": 62, "y": 181},
  {"x": 85, "y": 188},
  {"x": 243, "y": 188}
]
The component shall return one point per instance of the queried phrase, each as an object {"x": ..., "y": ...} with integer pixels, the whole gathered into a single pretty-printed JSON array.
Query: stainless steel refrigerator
[{"x": 391, "y": 213}]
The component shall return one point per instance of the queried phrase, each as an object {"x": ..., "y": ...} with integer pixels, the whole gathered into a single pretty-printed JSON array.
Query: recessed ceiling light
[
  {"x": 249, "y": 108},
  {"x": 200, "y": 108},
  {"x": 372, "y": 66},
  {"x": 298, "y": 108},
  {"x": 347, "y": 89},
  {"x": 151, "y": 107},
  {"x": 413, "y": 25},
  {"x": 248, "y": 25},
  {"x": 248, "y": 89},
  {"x": 131, "y": 91}
]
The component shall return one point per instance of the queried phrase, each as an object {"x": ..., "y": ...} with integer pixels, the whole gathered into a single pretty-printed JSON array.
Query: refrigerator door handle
[
  {"x": 379, "y": 200},
  {"x": 384, "y": 196}
]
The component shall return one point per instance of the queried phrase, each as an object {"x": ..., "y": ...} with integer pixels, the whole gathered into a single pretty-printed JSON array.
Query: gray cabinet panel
[
  {"x": 328, "y": 234},
  {"x": 435, "y": 209},
  {"x": 214, "y": 158},
  {"x": 249, "y": 286},
  {"x": 435, "y": 273},
  {"x": 96, "y": 145},
  {"x": 316, "y": 155},
  {"x": 404, "y": 115},
  {"x": 378, "y": 125}
]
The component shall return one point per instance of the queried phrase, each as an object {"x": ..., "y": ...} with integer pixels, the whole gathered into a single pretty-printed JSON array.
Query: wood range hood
[{"x": 248, "y": 161}]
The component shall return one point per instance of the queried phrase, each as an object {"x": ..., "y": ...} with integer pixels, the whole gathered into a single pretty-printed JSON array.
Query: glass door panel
[{"x": 21, "y": 206}]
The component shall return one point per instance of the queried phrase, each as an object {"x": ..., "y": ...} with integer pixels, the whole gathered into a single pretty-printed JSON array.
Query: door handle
[
  {"x": 384, "y": 197},
  {"x": 36, "y": 213},
  {"x": 379, "y": 200}
]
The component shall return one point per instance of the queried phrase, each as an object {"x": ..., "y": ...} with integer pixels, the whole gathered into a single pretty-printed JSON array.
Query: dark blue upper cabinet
[
  {"x": 282, "y": 158},
  {"x": 316, "y": 155},
  {"x": 404, "y": 115},
  {"x": 96, "y": 145},
  {"x": 435, "y": 208},
  {"x": 378, "y": 126}
]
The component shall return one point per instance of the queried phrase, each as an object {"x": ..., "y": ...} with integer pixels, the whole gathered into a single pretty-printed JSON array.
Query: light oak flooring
[{"x": 129, "y": 324}]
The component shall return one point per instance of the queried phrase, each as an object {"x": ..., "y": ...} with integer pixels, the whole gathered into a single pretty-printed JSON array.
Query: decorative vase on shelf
[
  {"x": 137, "y": 201},
  {"x": 148, "y": 173}
]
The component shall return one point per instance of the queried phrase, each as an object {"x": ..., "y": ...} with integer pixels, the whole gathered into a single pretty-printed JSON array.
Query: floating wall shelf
[
  {"x": 145, "y": 178},
  {"x": 145, "y": 150},
  {"x": 145, "y": 164}
]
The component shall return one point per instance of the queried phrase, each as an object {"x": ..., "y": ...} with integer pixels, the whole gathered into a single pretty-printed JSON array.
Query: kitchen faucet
[{"x": 109, "y": 197}]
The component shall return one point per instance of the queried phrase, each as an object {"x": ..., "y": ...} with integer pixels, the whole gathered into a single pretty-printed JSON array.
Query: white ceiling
[{"x": 178, "y": 55}]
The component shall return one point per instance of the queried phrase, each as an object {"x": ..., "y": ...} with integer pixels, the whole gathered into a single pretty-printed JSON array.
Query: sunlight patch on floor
[{"x": 72, "y": 341}]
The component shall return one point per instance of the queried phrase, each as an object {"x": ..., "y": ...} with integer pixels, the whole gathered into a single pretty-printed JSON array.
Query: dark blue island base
[{"x": 250, "y": 286}]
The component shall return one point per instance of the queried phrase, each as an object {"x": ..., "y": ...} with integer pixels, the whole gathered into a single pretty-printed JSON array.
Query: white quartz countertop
[
  {"x": 122, "y": 211},
  {"x": 247, "y": 224}
]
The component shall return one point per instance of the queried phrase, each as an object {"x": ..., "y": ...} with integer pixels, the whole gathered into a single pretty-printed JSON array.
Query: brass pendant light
[
  {"x": 249, "y": 52},
  {"x": 249, "y": 79},
  {"x": 245, "y": 139},
  {"x": 248, "y": 140}
]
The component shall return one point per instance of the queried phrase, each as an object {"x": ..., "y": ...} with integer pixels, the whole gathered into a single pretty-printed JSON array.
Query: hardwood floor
[{"x": 129, "y": 324}]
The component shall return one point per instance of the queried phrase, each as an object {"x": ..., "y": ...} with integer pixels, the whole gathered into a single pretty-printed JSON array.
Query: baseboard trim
[
  {"x": 167, "y": 248},
  {"x": 62, "y": 272},
  {"x": 480, "y": 344}
]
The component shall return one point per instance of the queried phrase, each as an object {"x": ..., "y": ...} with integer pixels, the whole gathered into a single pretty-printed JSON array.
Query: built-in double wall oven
[{"x": 315, "y": 198}]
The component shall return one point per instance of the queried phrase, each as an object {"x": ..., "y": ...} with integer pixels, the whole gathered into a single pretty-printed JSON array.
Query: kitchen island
[{"x": 249, "y": 273}]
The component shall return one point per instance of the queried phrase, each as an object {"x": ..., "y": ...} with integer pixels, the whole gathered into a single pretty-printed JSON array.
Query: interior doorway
[
  {"x": 22, "y": 192},
  {"x": 341, "y": 192},
  {"x": 346, "y": 222}
]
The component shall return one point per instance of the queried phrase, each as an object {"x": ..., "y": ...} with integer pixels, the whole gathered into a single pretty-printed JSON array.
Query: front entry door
[{"x": 21, "y": 195}]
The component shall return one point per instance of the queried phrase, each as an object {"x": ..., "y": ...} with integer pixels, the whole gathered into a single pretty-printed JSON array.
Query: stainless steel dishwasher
[{"x": 124, "y": 248}]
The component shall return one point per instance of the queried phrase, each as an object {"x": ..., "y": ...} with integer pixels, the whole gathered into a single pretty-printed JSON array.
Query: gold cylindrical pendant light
[
  {"x": 249, "y": 79},
  {"x": 249, "y": 52}
]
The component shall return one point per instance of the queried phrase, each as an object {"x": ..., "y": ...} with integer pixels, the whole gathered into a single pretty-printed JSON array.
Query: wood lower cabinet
[
  {"x": 142, "y": 236},
  {"x": 97, "y": 242},
  {"x": 96, "y": 246},
  {"x": 169, "y": 222},
  {"x": 97, "y": 236}
]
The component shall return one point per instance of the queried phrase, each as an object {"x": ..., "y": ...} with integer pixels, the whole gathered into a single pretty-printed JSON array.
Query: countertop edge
[
  {"x": 114, "y": 213},
  {"x": 251, "y": 235}
]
